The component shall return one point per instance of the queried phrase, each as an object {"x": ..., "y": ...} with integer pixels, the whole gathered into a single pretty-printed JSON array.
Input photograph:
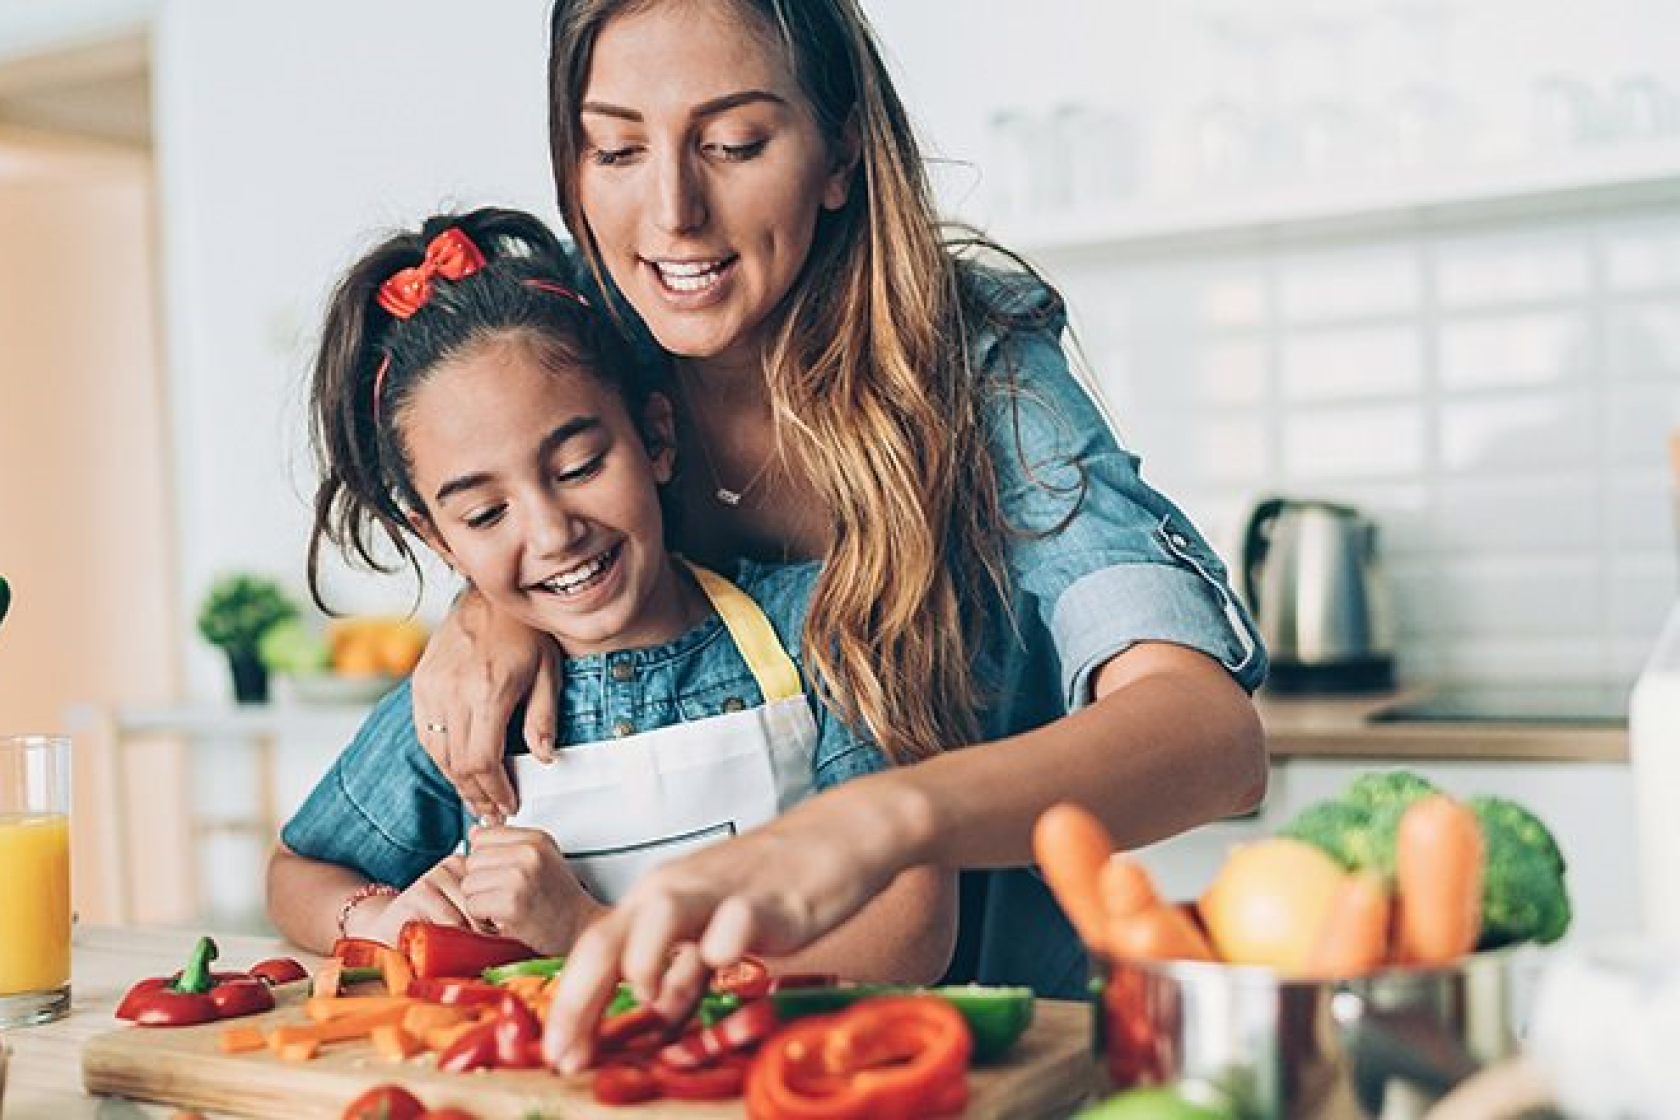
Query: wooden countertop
[
  {"x": 1340, "y": 727},
  {"x": 44, "y": 1074}
]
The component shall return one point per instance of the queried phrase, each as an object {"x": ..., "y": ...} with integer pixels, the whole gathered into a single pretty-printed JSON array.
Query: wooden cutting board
[{"x": 1048, "y": 1073}]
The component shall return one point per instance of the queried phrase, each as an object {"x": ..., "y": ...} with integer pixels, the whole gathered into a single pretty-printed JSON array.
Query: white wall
[{"x": 287, "y": 136}]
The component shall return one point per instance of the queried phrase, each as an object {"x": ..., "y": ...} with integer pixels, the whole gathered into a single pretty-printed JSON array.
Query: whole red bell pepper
[
  {"x": 195, "y": 995},
  {"x": 436, "y": 950}
]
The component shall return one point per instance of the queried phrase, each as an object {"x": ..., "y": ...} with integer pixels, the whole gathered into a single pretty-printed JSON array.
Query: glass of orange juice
[{"x": 34, "y": 878}]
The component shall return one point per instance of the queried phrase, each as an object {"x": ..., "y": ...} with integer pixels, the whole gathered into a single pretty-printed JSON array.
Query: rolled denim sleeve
[
  {"x": 1107, "y": 560},
  {"x": 383, "y": 808}
]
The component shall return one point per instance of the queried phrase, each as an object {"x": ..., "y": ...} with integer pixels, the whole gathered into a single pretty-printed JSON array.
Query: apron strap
[{"x": 777, "y": 676}]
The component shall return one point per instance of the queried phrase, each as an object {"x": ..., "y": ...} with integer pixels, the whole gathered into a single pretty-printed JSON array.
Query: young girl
[{"x": 463, "y": 393}]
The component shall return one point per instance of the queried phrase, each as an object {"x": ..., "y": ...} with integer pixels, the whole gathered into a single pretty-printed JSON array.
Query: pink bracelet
[{"x": 360, "y": 895}]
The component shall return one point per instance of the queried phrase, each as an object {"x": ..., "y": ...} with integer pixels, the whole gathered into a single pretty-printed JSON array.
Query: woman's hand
[
  {"x": 770, "y": 891},
  {"x": 434, "y": 897},
  {"x": 518, "y": 880},
  {"x": 475, "y": 672}
]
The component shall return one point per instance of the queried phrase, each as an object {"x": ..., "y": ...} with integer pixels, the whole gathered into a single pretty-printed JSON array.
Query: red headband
[{"x": 451, "y": 255}]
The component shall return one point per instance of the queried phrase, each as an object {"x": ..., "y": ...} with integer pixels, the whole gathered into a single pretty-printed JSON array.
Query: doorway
[{"x": 86, "y": 527}]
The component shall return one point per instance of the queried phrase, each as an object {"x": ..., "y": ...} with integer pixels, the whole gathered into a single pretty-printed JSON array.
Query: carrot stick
[
  {"x": 1354, "y": 939},
  {"x": 393, "y": 1042},
  {"x": 1126, "y": 887},
  {"x": 1071, "y": 846},
  {"x": 1439, "y": 859},
  {"x": 396, "y": 970},
  {"x": 240, "y": 1040},
  {"x": 423, "y": 1018},
  {"x": 334, "y": 1030},
  {"x": 301, "y": 1051},
  {"x": 324, "y": 1009},
  {"x": 328, "y": 979}
]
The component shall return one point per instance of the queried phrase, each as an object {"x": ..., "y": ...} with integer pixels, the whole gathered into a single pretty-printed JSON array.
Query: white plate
[{"x": 329, "y": 688}]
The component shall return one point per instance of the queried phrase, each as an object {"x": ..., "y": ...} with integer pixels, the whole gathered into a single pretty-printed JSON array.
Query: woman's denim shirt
[{"x": 386, "y": 810}]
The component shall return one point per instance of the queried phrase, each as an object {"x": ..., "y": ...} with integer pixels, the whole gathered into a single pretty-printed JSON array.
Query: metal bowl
[{"x": 1386, "y": 1044}]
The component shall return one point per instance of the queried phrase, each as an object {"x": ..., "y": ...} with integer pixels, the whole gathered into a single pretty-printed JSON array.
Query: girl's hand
[
  {"x": 771, "y": 891},
  {"x": 518, "y": 881},
  {"x": 475, "y": 671},
  {"x": 434, "y": 897}
]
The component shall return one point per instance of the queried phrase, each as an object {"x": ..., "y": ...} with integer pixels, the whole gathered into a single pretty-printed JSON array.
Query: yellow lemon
[{"x": 1269, "y": 902}]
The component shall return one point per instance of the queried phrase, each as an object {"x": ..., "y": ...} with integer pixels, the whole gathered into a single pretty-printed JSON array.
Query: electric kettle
[{"x": 1314, "y": 584}]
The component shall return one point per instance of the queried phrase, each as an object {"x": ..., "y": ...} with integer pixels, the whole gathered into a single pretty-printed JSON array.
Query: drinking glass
[{"x": 34, "y": 878}]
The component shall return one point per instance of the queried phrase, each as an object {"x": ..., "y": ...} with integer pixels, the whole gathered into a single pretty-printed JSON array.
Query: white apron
[{"x": 619, "y": 807}]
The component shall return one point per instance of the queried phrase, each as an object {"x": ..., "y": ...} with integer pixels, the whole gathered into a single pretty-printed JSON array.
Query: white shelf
[{"x": 1624, "y": 177}]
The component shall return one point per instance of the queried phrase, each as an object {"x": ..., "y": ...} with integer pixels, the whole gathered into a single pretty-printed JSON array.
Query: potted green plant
[{"x": 237, "y": 612}]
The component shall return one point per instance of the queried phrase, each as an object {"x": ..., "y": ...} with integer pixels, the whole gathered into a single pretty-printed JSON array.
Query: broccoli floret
[
  {"x": 1388, "y": 790},
  {"x": 1357, "y": 829},
  {"x": 1524, "y": 897}
]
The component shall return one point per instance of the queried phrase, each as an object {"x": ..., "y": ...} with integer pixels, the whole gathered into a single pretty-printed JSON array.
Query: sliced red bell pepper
[
  {"x": 456, "y": 991},
  {"x": 474, "y": 1049},
  {"x": 641, "y": 1030},
  {"x": 719, "y": 1083},
  {"x": 278, "y": 970},
  {"x": 624, "y": 1084},
  {"x": 746, "y": 1028},
  {"x": 518, "y": 1035},
  {"x": 884, "y": 1059},
  {"x": 358, "y": 952},
  {"x": 195, "y": 995},
  {"x": 748, "y": 978},
  {"x": 436, "y": 950}
]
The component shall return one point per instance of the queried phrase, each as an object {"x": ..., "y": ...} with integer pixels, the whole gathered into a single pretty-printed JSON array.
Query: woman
[{"x": 995, "y": 571}]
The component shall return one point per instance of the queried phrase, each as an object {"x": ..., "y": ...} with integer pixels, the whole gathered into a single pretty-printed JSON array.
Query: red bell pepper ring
[
  {"x": 895, "y": 1058},
  {"x": 620, "y": 1084},
  {"x": 748, "y": 978},
  {"x": 278, "y": 970},
  {"x": 719, "y": 1083},
  {"x": 436, "y": 950},
  {"x": 195, "y": 994},
  {"x": 358, "y": 952},
  {"x": 744, "y": 1029},
  {"x": 641, "y": 1030},
  {"x": 474, "y": 1049},
  {"x": 518, "y": 1035}
]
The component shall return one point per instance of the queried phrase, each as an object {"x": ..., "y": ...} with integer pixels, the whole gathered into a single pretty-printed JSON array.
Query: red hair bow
[{"x": 451, "y": 255}]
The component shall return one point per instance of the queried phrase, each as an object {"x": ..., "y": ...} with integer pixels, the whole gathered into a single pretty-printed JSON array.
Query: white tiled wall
[{"x": 1498, "y": 397}]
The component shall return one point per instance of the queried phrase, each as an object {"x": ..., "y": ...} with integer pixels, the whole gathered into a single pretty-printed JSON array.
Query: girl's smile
[{"x": 542, "y": 493}]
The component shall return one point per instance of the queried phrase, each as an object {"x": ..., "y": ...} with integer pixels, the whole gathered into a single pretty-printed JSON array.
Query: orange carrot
[
  {"x": 240, "y": 1040},
  {"x": 323, "y": 1009},
  {"x": 328, "y": 979},
  {"x": 396, "y": 970},
  {"x": 423, "y": 1018},
  {"x": 393, "y": 1042},
  {"x": 334, "y": 1030},
  {"x": 1158, "y": 933},
  {"x": 1354, "y": 938},
  {"x": 1139, "y": 924},
  {"x": 1126, "y": 886},
  {"x": 301, "y": 1051},
  {"x": 1071, "y": 846},
  {"x": 1439, "y": 859}
]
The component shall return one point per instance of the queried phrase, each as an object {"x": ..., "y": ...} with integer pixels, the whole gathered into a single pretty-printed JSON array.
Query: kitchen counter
[
  {"x": 1341, "y": 727},
  {"x": 44, "y": 1078}
]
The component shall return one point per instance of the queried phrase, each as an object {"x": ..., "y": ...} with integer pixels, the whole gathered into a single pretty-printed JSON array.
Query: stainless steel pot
[{"x": 1383, "y": 1045}]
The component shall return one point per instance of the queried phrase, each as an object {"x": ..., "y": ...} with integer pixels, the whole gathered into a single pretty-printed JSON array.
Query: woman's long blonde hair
[{"x": 869, "y": 380}]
